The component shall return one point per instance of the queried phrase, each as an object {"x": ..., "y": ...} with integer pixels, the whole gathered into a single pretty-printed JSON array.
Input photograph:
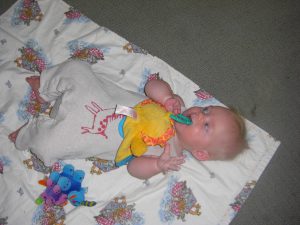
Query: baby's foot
[
  {"x": 34, "y": 82},
  {"x": 13, "y": 136}
]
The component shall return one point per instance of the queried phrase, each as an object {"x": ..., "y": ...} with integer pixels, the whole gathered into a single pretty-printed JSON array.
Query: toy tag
[{"x": 127, "y": 111}]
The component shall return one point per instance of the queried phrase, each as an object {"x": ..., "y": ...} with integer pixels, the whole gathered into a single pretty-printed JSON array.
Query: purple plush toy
[
  {"x": 63, "y": 186},
  {"x": 53, "y": 195}
]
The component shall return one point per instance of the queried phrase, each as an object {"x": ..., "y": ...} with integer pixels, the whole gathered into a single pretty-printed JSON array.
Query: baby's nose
[{"x": 197, "y": 116}]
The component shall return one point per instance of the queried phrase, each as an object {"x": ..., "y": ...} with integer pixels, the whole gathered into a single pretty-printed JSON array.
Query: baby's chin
[{"x": 179, "y": 127}]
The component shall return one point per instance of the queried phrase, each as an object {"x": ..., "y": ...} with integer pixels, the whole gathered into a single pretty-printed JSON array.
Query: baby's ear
[{"x": 201, "y": 155}]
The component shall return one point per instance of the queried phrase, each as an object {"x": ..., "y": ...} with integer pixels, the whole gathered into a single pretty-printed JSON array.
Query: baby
[{"x": 216, "y": 133}]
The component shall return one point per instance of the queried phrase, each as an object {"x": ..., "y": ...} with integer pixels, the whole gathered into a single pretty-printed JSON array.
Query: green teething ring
[{"x": 181, "y": 119}]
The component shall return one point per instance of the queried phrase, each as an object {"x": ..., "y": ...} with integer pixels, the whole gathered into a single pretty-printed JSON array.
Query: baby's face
[{"x": 212, "y": 128}]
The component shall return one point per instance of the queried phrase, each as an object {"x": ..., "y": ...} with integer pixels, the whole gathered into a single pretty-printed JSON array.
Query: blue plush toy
[
  {"x": 63, "y": 186},
  {"x": 68, "y": 171},
  {"x": 75, "y": 177}
]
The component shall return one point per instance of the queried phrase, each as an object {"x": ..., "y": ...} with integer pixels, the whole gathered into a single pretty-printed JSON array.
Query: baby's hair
[
  {"x": 240, "y": 121},
  {"x": 229, "y": 153}
]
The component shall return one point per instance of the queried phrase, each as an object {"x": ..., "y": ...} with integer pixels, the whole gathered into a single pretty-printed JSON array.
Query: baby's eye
[{"x": 205, "y": 110}]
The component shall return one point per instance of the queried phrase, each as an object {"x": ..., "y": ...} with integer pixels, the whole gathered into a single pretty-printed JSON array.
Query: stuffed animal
[
  {"x": 53, "y": 195},
  {"x": 74, "y": 176},
  {"x": 64, "y": 186},
  {"x": 152, "y": 126},
  {"x": 77, "y": 198}
]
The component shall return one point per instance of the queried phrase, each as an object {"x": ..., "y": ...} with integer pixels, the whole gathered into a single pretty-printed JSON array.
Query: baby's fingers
[
  {"x": 177, "y": 107},
  {"x": 174, "y": 168},
  {"x": 175, "y": 163},
  {"x": 179, "y": 160}
]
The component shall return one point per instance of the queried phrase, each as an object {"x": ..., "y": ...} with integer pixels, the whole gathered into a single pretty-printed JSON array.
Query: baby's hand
[
  {"x": 165, "y": 162},
  {"x": 174, "y": 104}
]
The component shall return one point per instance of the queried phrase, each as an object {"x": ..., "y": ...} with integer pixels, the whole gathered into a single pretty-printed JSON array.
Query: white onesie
[{"x": 82, "y": 123}]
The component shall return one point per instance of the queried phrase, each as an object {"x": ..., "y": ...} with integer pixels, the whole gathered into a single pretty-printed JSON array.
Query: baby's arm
[
  {"x": 160, "y": 91},
  {"x": 145, "y": 167}
]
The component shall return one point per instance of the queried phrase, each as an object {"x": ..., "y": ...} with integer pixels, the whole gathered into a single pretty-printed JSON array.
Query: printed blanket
[{"x": 36, "y": 35}]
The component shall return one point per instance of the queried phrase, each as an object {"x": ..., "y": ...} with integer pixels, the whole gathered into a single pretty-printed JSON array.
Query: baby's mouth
[{"x": 188, "y": 116}]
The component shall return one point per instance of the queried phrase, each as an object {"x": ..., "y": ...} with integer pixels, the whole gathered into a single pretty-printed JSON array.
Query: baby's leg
[{"x": 34, "y": 82}]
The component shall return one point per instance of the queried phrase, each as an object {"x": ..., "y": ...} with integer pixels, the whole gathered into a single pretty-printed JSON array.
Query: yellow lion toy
[{"x": 152, "y": 126}]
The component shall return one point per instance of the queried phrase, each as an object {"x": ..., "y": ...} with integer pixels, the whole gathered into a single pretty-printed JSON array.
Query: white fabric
[
  {"x": 85, "y": 124},
  {"x": 216, "y": 189}
]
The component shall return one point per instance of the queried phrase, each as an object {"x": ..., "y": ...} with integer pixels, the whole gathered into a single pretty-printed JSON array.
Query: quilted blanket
[{"x": 38, "y": 34}]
